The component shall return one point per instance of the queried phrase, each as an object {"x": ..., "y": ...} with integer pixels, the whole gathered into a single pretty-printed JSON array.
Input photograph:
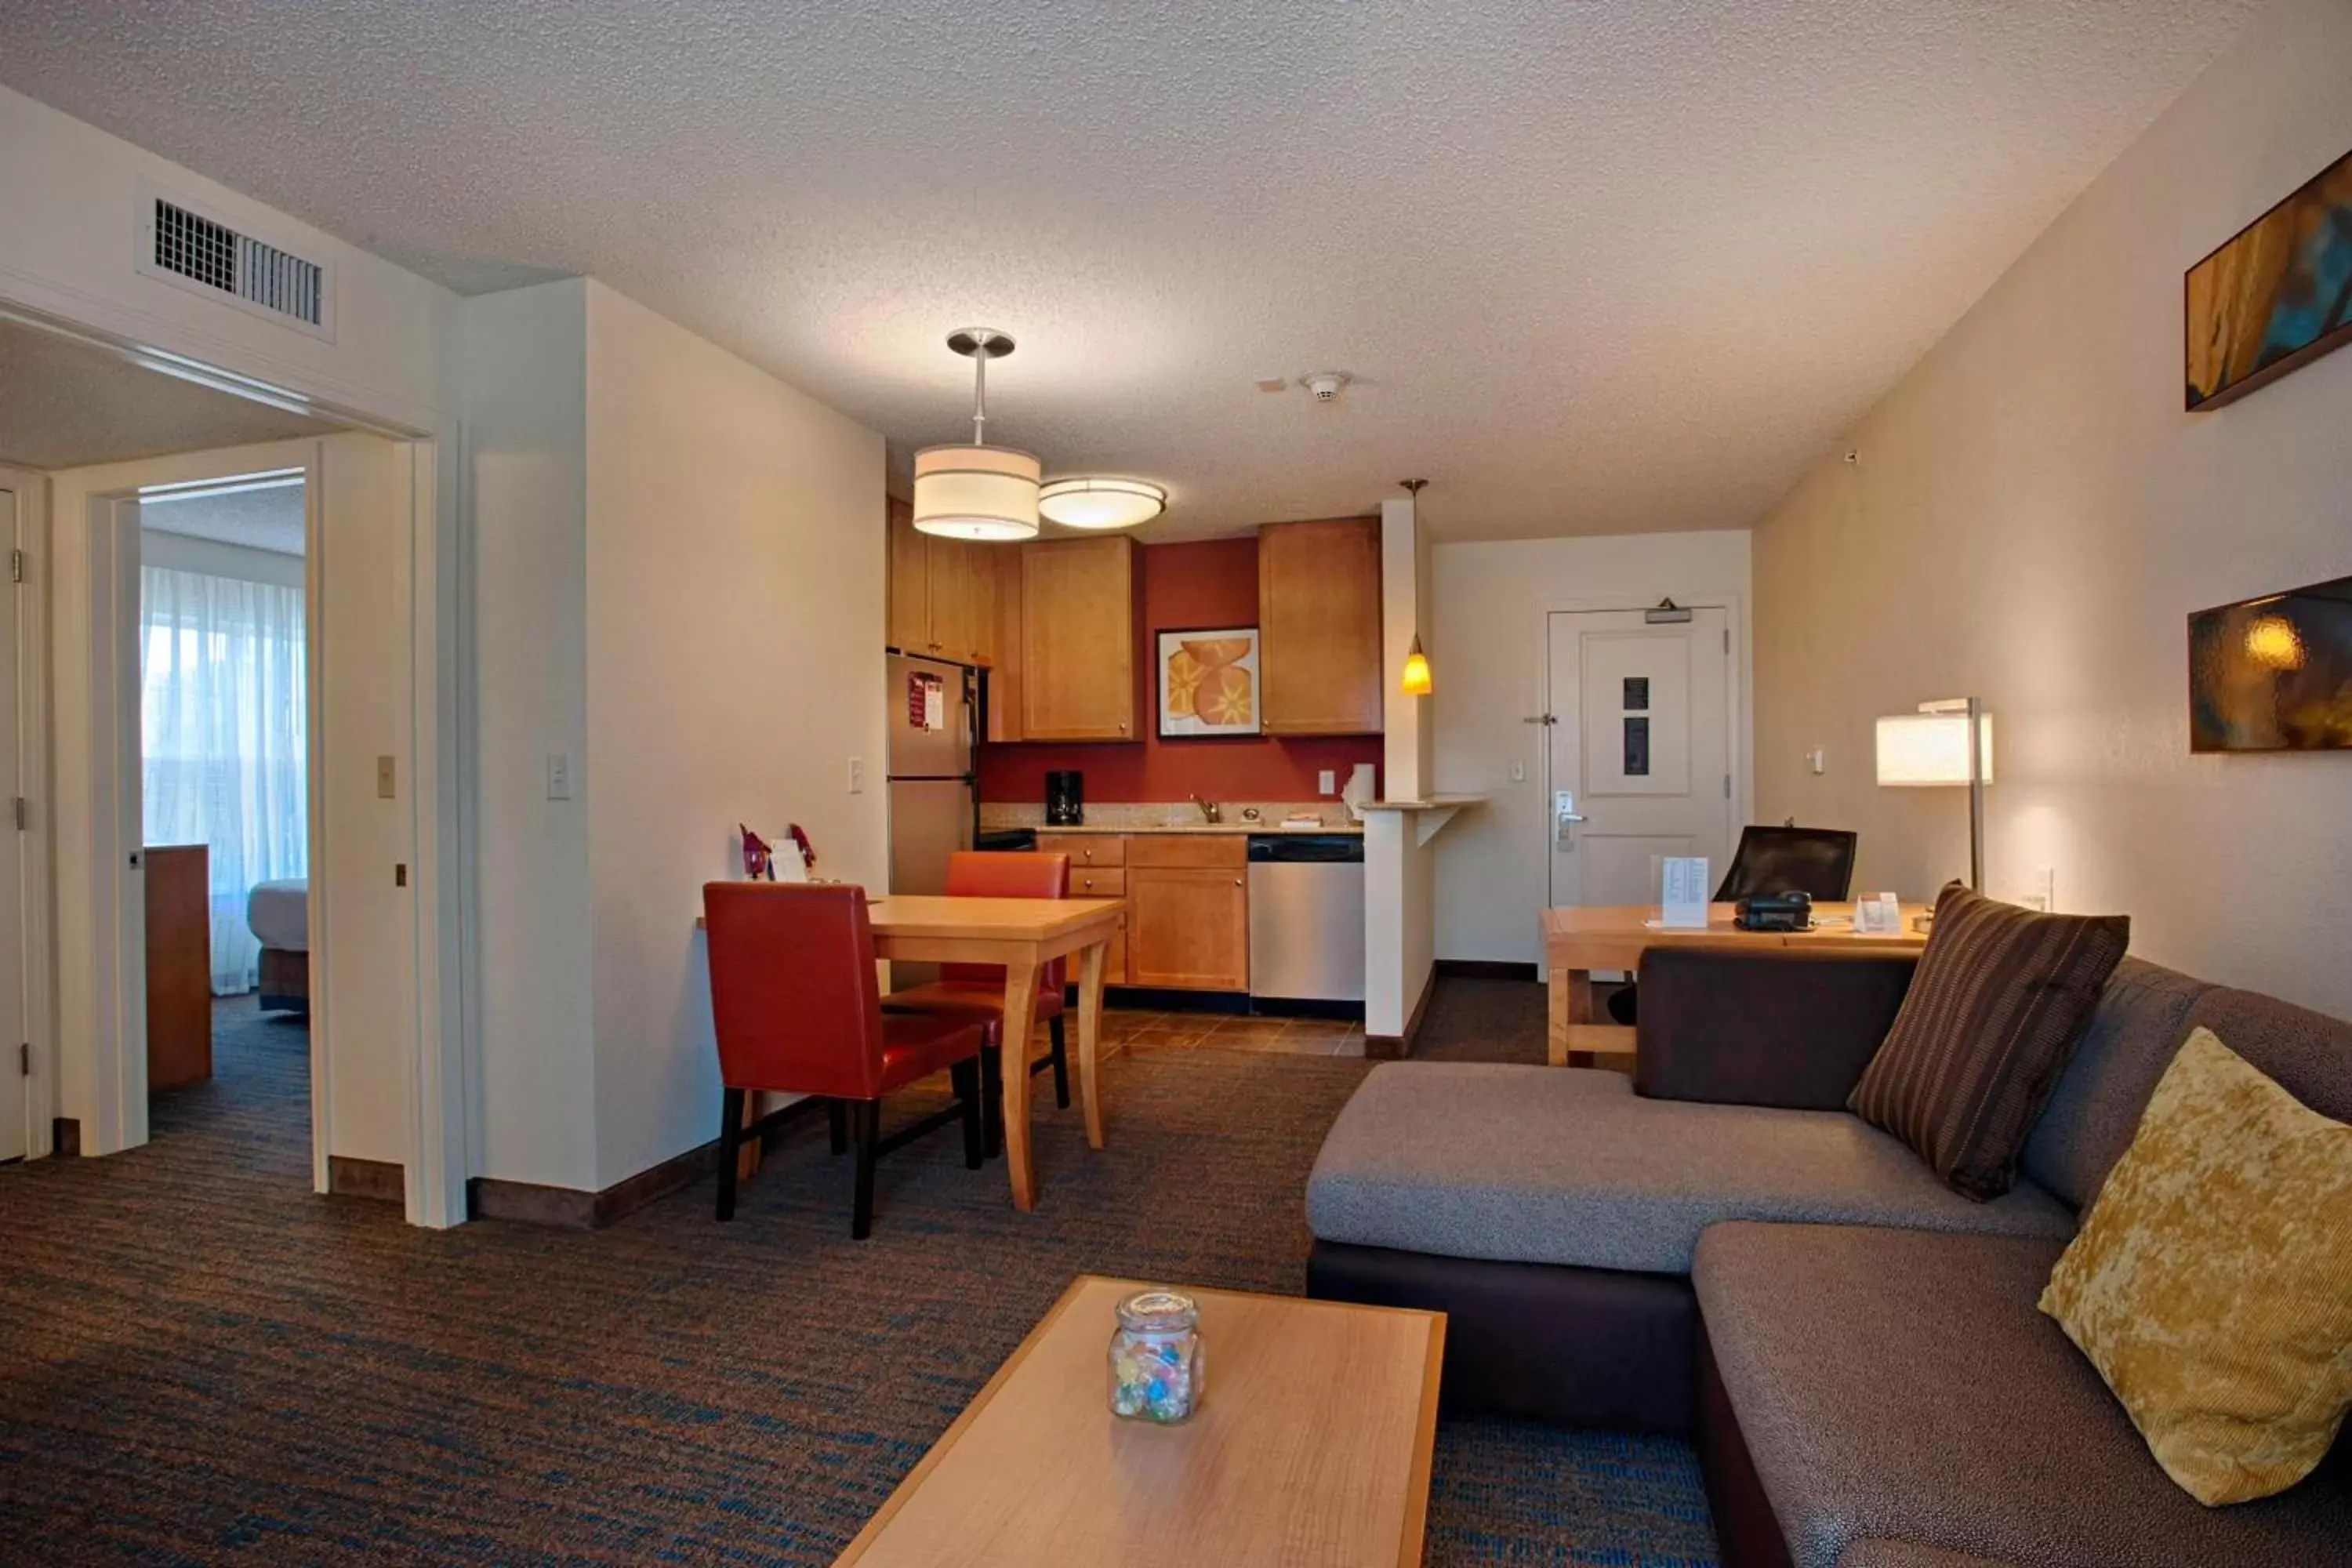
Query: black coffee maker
[{"x": 1066, "y": 797}]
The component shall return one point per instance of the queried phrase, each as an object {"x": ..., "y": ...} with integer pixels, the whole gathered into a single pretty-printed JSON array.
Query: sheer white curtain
[{"x": 222, "y": 729}]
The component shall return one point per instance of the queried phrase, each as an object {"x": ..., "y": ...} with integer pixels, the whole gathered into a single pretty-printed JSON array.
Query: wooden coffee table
[{"x": 1311, "y": 1446}]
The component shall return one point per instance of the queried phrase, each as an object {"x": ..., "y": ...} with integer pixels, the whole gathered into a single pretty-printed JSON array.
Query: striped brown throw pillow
[{"x": 2000, "y": 1002}]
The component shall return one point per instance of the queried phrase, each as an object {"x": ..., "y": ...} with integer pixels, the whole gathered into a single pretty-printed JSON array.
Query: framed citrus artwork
[{"x": 1208, "y": 682}]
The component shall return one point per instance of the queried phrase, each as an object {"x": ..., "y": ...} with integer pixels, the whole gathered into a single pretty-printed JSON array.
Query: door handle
[{"x": 1565, "y": 816}]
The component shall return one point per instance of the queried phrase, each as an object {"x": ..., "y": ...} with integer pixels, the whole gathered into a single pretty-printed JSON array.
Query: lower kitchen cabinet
[{"x": 1188, "y": 912}]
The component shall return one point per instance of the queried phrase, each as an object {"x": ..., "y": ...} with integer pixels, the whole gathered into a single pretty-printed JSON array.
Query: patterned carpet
[{"x": 203, "y": 1363}]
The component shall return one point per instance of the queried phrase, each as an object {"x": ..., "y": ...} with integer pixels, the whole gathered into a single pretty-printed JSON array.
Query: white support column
[{"x": 1400, "y": 872}]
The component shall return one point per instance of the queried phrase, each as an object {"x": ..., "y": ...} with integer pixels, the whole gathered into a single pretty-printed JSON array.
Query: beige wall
[
  {"x": 1489, "y": 646},
  {"x": 735, "y": 666},
  {"x": 526, "y": 372},
  {"x": 2033, "y": 517}
]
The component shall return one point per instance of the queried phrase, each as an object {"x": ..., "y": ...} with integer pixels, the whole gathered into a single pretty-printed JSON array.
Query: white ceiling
[
  {"x": 65, "y": 405},
  {"x": 1597, "y": 264},
  {"x": 258, "y": 519}
]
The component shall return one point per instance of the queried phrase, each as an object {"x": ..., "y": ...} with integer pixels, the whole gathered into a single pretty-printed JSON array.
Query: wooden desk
[
  {"x": 1310, "y": 1449},
  {"x": 1578, "y": 941},
  {"x": 1023, "y": 935}
]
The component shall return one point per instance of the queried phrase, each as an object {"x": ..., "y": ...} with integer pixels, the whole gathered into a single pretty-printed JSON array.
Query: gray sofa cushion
[
  {"x": 1536, "y": 1164},
  {"x": 2134, "y": 1030},
  {"x": 1901, "y": 1384},
  {"x": 2308, "y": 1054}
]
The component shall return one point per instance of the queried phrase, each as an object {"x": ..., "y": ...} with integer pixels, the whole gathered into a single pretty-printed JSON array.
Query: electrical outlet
[
  {"x": 559, "y": 776},
  {"x": 857, "y": 775},
  {"x": 1818, "y": 760},
  {"x": 1327, "y": 781},
  {"x": 1518, "y": 771}
]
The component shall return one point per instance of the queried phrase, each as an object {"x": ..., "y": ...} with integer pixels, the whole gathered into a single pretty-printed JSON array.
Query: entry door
[
  {"x": 1641, "y": 750},
  {"x": 15, "y": 1131}
]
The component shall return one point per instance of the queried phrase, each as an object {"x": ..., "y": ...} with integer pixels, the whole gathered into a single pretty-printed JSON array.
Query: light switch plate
[
  {"x": 559, "y": 776},
  {"x": 1518, "y": 771},
  {"x": 857, "y": 775},
  {"x": 1818, "y": 760},
  {"x": 1327, "y": 781},
  {"x": 384, "y": 779}
]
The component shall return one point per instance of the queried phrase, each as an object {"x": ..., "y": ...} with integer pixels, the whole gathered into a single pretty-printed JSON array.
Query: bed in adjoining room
[{"x": 279, "y": 914}]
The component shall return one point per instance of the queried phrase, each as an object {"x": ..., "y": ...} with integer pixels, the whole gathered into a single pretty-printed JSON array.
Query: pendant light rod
[{"x": 979, "y": 345}]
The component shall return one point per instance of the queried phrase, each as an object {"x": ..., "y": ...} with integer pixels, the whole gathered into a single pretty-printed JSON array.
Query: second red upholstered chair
[
  {"x": 976, "y": 990},
  {"x": 798, "y": 1010}
]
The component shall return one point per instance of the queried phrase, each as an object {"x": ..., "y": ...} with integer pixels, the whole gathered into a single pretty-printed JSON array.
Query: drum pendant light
[{"x": 977, "y": 491}]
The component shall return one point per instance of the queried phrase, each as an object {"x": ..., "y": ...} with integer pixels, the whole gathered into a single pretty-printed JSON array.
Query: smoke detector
[{"x": 1325, "y": 384}]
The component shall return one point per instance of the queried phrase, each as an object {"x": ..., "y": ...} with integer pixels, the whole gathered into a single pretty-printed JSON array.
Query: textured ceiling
[
  {"x": 64, "y": 404},
  {"x": 1596, "y": 265},
  {"x": 258, "y": 519}
]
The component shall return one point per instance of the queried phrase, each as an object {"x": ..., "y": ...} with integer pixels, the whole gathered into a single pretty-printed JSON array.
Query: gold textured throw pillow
[{"x": 2211, "y": 1282}]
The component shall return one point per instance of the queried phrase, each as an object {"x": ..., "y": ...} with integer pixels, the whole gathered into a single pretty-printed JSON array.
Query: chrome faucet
[{"x": 1208, "y": 812}]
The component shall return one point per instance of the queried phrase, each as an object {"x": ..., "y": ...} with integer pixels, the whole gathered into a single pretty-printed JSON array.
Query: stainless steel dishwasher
[{"x": 1306, "y": 916}]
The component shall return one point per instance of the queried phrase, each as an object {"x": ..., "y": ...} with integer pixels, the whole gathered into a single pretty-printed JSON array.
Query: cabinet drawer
[
  {"x": 1097, "y": 882},
  {"x": 1214, "y": 849},
  {"x": 1084, "y": 849}
]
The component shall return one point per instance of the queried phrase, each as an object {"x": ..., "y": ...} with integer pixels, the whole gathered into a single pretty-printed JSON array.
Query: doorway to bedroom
[{"x": 224, "y": 725}]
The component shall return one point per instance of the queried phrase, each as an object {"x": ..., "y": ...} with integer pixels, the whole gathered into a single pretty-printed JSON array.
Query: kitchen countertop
[{"x": 1112, "y": 830}]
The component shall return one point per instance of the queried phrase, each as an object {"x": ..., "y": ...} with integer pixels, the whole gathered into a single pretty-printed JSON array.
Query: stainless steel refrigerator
[{"x": 930, "y": 773}]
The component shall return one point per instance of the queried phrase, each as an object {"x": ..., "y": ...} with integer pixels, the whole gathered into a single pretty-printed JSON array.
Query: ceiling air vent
[{"x": 184, "y": 246}]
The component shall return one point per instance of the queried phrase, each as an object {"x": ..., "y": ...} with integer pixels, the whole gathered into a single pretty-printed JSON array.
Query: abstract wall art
[
  {"x": 2275, "y": 297},
  {"x": 2273, "y": 674}
]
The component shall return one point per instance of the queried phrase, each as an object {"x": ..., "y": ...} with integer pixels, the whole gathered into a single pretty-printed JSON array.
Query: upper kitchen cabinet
[
  {"x": 942, "y": 593},
  {"x": 1318, "y": 623},
  {"x": 1078, "y": 640}
]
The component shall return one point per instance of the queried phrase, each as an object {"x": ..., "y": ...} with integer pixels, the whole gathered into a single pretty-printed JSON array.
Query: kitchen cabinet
[
  {"x": 1097, "y": 870},
  {"x": 1003, "y": 706},
  {"x": 943, "y": 592},
  {"x": 1188, "y": 911},
  {"x": 1319, "y": 620},
  {"x": 1078, "y": 640}
]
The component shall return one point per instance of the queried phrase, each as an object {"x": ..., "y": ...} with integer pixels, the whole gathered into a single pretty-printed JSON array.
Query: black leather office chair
[{"x": 1815, "y": 861}]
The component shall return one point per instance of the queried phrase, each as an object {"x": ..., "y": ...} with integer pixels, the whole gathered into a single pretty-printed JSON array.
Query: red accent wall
[{"x": 1205, "y": 585}]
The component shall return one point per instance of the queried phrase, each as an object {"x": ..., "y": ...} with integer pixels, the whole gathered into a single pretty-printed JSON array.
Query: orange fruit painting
[
  {"x": 1208, "y": 683},
  {"x": 1223, "y": 697}
]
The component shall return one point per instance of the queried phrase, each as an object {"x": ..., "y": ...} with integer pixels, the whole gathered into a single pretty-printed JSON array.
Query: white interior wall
[
  {"x": 734, "y": 662},
  {"x": 72, "y": 194},
  {"x": 1488, "y": 659},
  {"x": 525, "y": 371},
  {"x": 2032, "y": 519}
]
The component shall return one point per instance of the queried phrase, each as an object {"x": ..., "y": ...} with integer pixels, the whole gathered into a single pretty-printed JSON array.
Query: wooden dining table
[
  {"x": 1023, "y": 935},
  {"x": 1579, "y": 939}
]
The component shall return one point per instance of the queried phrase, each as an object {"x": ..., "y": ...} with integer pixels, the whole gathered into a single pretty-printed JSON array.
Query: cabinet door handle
[{"x": 1237, "y": 882}]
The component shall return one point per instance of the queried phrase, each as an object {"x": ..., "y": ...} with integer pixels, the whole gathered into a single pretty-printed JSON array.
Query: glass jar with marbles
[{"x": 1156, "y": 1358}]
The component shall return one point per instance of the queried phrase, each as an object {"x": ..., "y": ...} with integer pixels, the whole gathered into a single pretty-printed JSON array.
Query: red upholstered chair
[
  {"x": 797, "y": 1010},
  {"x": 976, "y": 990}
]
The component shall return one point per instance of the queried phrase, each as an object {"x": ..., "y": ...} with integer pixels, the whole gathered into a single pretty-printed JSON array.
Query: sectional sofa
[{"x": 1715, "y": 1247}]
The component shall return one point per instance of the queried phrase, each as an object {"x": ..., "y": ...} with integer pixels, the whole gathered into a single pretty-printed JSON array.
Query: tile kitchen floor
[{"x": 1127, "y": 1029}]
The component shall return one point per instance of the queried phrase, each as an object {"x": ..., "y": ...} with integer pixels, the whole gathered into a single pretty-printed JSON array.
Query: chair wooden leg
[
  {"x": 968, "y": 1095},
  {"x": 730, "y": 1139},
  {"x": 868, "y": 1118},
  {"x": 1054, "y": 1027},
  {"x": 991, "y": 1094},
  {"x": 836, "y": 1116}
]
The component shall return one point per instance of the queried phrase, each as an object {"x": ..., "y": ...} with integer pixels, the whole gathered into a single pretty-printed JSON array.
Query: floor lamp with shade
[{"x": 1945, "y": 743}]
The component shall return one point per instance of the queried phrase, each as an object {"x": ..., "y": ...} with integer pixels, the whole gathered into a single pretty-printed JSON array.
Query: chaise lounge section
[{"x": 1857, "y": 1349}]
